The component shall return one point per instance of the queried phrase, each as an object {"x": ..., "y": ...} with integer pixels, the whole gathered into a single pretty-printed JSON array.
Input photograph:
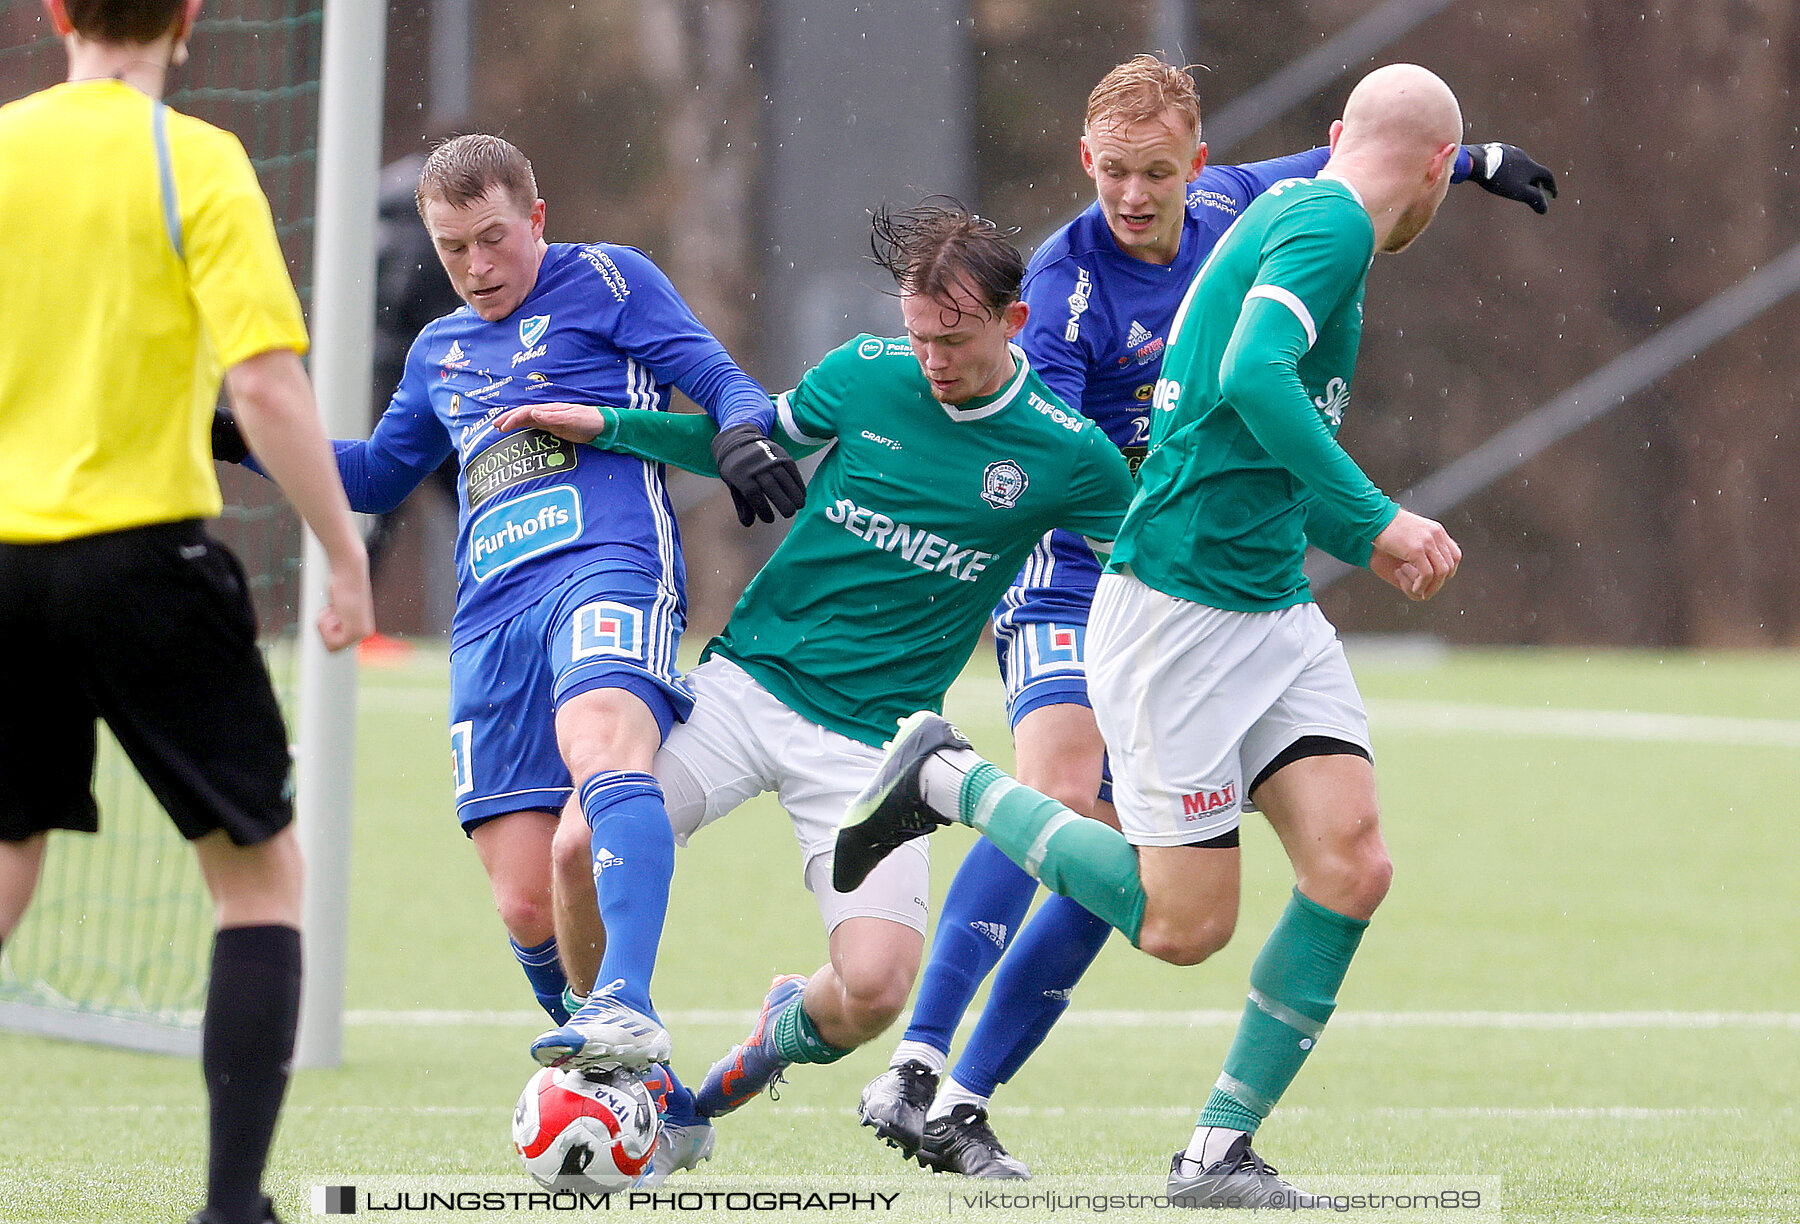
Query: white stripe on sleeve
[{"x": 1275, "y": 293}]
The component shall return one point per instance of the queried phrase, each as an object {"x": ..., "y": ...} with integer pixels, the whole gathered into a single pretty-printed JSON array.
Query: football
[{"x": 592, "y": 1132}]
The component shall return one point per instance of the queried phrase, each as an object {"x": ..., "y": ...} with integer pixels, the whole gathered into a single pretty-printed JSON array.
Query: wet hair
[
  {"x": 936, "y": 245},
  {"x": 1140, "y": 89},
  {"x": 464, "y": 168},
  {"x": 124, "y": 21}
]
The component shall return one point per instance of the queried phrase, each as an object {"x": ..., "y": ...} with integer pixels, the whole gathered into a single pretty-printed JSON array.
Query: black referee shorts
[{"x": 152, "y": 630}]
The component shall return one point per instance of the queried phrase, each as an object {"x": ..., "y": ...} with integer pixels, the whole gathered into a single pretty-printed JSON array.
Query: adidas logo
[
  {"x": 994, "y": 931},
  {"x": 1065, "y": 994},
  {"x": 455, "y": 354},
  {"x": 604, "y": 858},
  {"x": 1138, "y": 335}
]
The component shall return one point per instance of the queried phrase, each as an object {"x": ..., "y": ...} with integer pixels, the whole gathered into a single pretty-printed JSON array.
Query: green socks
[
  {"x": 1293, "y": 991},
  {"x": 798, "y": 1040},
  {"x": 1086, "y": 861}
]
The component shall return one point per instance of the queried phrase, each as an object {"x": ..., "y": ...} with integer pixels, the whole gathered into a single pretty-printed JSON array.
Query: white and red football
[{"x": 592, "y": 1132}]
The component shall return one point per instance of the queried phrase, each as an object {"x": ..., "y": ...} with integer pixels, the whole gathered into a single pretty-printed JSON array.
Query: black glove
[
  {"x": 227, "y": 439},
  {"x": 1508, "y": 171},
  {"x": 763, "y": 479}
]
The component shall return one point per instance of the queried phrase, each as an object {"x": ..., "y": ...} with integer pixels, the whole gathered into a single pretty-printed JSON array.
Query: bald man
[{"x": 1215, "y": 678}]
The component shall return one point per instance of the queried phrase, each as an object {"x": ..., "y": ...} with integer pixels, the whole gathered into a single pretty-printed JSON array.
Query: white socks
[
  {"x": 950, "y": 1095},
  {"x": 920, "y": 1052}
]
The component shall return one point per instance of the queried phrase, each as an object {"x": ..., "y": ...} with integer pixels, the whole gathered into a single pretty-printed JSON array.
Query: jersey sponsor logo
[
  {"x": 1142, "y": 394},
  {"x": 1066, "y": 419},
  {"x": 523, "y": 528},
  {"x": 462, "y": 770},
  {"x": 1168, "y": 394},
  {"x": 881, "y": 441},
  {"x": 1208, "y": 802},
  {"x": 1143, "y": 347},
  {"x": 1003, "y": 484},
  {"x": 493, "y": 388},
  {"x": 608, "y": 630},
  {"x": 927, "y": 550},
  {"x": 514, "y": 459},
  {"x": 871, "y": 348},
  {"x": 609, "y": 272},
  {"x": 1331, "y": 405},
  {"x": 1078, "y": 304},
  {"x": 535, "y": 377}
]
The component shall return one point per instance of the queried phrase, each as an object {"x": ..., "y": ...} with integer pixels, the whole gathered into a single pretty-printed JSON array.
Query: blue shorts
[
  {"x": 1040, "y": 631},
  {"x": 611, "y": 628}
]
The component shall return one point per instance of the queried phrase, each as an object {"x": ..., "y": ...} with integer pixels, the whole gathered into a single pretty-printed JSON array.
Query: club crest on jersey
[
  {"x": 1003, "y": 484},
  {"x": 532, "y": 330}
]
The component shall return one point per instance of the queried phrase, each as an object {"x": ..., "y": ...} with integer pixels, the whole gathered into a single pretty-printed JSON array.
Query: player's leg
[
  {"x": 21, "y": 862},
  {"x": 509, "y": 782},
  {"x": 163, "y": 625},
  {"x": 514, "y": 849},
  {"x": 1057, "y": 751},
  {"x": 708, "y": 766},
  {"x": 1313, "y": 778},
  {"x": 611, "y": 639},
  {"x": 46, "y": 731},
  {"x": 875, "y": 933}
]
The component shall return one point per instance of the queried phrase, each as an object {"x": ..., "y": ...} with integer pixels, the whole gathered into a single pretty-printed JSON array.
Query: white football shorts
[
  {"x": 740, "y": 741},
  {"x": 1194, "y": 702}
]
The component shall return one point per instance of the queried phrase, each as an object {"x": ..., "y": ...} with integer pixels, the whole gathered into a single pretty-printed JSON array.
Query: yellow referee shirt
[{"x": 112, "y": 338}]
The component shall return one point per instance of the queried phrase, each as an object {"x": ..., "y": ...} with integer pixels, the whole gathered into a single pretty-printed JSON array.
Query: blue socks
[
  {"x": 1030, "y": 993},
  {"x": 634, "y": 859},
  {"x": 987, "y": 901},
  {"x": 544, "y": 971}
]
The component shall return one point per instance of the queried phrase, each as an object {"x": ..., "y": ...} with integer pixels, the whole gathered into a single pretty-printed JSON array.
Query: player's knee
[
  {"x": 571, "y": 848},
  {"x": 1354, "y": 880},
  {"x": 874, "y": 997},
  {"x": 1374, "y": 875},
  {"x": 526, "y": 913},
  {"x": 1187, "y": 942}
]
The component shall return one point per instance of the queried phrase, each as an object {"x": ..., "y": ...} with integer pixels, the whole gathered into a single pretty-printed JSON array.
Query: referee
[{"x": 144, "y": 265}]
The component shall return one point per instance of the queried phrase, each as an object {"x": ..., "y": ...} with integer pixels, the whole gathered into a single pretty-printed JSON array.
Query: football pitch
[{"x": 1580, "y": 1001}]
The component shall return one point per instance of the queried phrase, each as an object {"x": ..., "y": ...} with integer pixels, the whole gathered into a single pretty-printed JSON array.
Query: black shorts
[{"x": 152, "y": 630}]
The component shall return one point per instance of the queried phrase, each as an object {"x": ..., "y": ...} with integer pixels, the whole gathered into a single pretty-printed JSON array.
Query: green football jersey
[
  {"x": 915, "y": 523},
  {"x": 1244, "y": 459}
]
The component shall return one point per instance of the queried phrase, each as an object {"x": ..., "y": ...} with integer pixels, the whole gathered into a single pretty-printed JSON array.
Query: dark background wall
[{"x": 738, "y": 141}]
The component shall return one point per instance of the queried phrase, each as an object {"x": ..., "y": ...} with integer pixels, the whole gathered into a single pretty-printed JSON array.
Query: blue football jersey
[
  {"x": 1098, "y": 325},
  {"x": 601, "y": 325}
]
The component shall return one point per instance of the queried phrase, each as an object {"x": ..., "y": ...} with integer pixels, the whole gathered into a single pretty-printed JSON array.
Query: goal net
[{"x": 116, "y": 942}]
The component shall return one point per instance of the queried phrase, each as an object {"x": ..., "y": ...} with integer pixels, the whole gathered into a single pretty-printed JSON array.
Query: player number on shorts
[{"x": 461, "y": 773}]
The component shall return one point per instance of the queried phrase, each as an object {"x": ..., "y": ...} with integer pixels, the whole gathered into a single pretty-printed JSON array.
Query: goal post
[{"x": 343, "y": 351}]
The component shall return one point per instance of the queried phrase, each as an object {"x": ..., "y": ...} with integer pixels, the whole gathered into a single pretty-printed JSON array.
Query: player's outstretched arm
[
  {"x": 1412, "y": 540},
  {"x": 679, "y": 439},
  {"x": 1511, "y": 173},
  {"x": 273, "y": 403}
]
